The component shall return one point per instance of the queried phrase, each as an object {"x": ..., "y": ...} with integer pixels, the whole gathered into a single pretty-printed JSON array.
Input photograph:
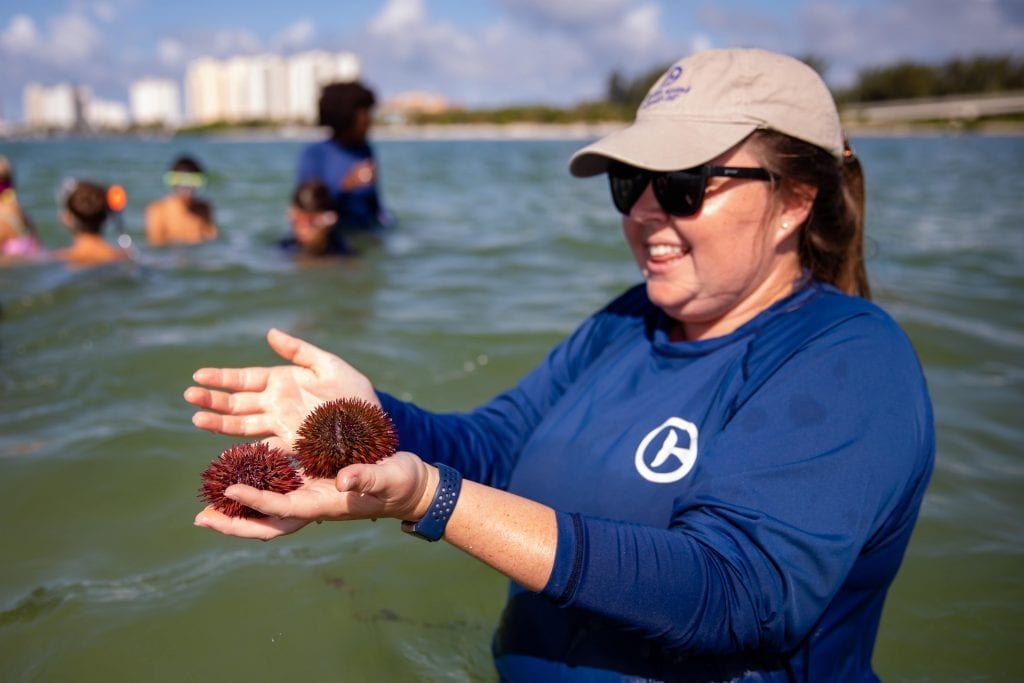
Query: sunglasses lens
[
  {"x": 627, "y": 184},
  {"x": 680, "y": 193}
]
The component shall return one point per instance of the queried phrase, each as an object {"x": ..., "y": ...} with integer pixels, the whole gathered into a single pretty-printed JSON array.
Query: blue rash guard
[
  {"x": 728, "y": 509},
  {"x": 329, "y": 162}
]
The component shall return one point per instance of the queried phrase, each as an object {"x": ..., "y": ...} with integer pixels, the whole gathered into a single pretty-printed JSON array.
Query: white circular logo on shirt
[{"x": 676, "y": 440}]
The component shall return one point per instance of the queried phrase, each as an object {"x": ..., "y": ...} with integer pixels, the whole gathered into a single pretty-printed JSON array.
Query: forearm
[{"x": 514, "y": 535}]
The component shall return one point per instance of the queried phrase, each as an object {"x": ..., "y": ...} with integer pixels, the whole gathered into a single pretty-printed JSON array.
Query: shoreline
[{"x": 505, "y": 131}]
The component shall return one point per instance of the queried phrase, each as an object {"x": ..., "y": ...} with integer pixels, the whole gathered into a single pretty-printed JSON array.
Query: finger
[
  {"x": 268, "y": 502},
  {"x": 262, "y": 528},
  {"x": 235, "y": 379},
  {"x": 245, "y": 425},
  {"x": 295, "y": 350},
  {"x": 240, "y": 403}
]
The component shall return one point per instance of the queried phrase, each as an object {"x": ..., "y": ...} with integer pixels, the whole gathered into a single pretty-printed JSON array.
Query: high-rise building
[
  {"x": 57, "y": 107},
  {"x": 155, "y": 102},
  {"x": 263, "y": 87}
]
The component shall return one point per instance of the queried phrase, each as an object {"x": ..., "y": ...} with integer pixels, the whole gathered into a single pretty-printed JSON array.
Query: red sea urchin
[
  {"x": 343, "y": 432},
  {"x": 255, "y": 464}
]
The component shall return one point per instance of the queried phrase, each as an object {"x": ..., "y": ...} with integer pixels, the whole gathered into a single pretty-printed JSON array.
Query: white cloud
[
  {"x": 540, "y": 51},
  {"x": 296, "y": 36},
  {"x": 231, "y": 41},
  {"x": 105, "y": 11},
  {"x": 171, "y": 52},
  {"x": 72, "y": 39},
  {"x": 20, "y": 35},
  {"x": 568, "y": 14},
  {"x": 398, "y": 16},
  {"x": 912, "y": 30}
]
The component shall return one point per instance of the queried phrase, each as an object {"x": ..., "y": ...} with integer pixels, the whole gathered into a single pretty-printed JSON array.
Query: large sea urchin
[
  {"x": 255, "y": 464},
  {"x": 343, "y": 432}
]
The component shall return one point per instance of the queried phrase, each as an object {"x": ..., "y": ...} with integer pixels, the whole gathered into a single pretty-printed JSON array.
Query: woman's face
[{"x": 720, "y": 267}]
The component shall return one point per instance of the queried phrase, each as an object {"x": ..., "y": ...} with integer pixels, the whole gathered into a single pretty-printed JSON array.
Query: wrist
[
  {"x": 434, "y": 519},
  {"x": 433, "y": 480}
]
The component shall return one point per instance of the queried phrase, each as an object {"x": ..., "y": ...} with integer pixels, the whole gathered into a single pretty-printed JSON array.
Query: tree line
[{"x": 981, "y": 74}]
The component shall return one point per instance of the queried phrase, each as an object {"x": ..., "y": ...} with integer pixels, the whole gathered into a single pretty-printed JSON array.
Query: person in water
[
  {"x": 312, "y": 218},
  {"x": 714, "y": 477},
  {"x": 83, "y": 212},
  {"x": 345, "y": 162},
  {"x": 181, "y": 217},
  {"x": 18, "y": 237}
]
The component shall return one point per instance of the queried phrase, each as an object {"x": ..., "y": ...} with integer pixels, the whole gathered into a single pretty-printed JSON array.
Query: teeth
[{"x": 656, "y": 250}]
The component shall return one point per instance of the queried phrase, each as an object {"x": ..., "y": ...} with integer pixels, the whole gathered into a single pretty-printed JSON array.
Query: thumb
[
  {"x": 293, "y": 349},
  {"x": 357, "y": 479}
]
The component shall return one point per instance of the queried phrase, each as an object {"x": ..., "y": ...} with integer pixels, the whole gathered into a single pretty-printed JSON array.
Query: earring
[{"x": 785, "y": 225}]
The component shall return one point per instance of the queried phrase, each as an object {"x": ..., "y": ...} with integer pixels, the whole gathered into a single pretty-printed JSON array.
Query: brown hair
[
  {"x": 312, "y": 196},
  {"x": 340, "y": 101},
  {"x": 831, "y": 242},
  {"x": 87, "y": 203}
]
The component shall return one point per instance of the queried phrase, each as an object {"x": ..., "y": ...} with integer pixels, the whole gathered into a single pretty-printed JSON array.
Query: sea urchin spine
[
  {"x": 343, "y": 432},
  {"x": 255, "y": 464}
]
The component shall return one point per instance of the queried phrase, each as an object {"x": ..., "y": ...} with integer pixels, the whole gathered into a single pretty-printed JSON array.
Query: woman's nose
[{"x": 647, "y": 206}]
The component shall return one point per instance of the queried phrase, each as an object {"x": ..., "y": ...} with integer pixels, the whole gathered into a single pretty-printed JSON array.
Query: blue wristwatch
[{"x": 431, "y": 527}]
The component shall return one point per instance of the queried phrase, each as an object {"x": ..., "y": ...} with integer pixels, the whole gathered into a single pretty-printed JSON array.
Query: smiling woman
[{"x": 693, "y": 485}]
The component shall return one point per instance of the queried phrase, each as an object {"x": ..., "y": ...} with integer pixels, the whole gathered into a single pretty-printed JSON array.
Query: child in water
[
  {"x": 83, "y": 213},
  {"x": 18, "y": 237},
  {"x": 181, "y": 217},
  {"x": 313, "y": 218}
]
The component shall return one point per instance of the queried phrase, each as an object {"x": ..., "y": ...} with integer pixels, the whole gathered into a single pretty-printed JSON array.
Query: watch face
[{"x": 412, "y": 528}]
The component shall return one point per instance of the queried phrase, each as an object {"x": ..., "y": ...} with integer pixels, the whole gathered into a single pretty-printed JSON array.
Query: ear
[{"x": 794, "y": 208}]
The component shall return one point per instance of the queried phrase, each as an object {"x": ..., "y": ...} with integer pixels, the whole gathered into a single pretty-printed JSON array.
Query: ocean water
[{"x": 497, "y": 255}]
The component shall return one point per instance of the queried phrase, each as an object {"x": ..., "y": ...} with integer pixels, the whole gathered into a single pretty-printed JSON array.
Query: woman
[
  {"x": 713, "y": 478},
  {"x": 344, "y": 162}
]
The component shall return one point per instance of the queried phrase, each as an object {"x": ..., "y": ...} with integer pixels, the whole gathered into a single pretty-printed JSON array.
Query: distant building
[
  {"x": 205, "y": 94},
  {"x": 64, "y": 107},
  {"x": 155, "y": 102},
  {"x": 263, "y": 87},
  {"x": 308, "y": 73},
  {"x": 106, "y": 115},
  {"x": 401, "y": 107},
  {"x": 267, "y": 87},
  {"x": 58, "y": 107}
]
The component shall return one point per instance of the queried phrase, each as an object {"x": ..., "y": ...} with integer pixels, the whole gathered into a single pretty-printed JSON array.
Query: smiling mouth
[{"x": 664, "y": 252}]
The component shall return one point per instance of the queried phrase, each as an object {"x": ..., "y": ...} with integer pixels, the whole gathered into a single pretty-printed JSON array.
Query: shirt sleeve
[
  {"x": 826, "y": 462},
  {"x": 484, "y": 444}
]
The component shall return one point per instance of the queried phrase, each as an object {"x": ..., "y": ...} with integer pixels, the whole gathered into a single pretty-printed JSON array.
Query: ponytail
[{"x": 831, "y": 240}]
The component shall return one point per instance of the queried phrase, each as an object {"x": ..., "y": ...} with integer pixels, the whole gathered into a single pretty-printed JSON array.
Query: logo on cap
[{"x": 664, "y": 92}]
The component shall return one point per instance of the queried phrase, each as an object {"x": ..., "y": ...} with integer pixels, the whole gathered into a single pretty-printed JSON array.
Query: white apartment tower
[
  {"x": 263, "y": 87},
  {"x": 155, "y": 102}
]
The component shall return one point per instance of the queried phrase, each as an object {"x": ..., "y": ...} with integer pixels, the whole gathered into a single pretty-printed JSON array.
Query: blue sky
[{"x": 481, "y": 52}]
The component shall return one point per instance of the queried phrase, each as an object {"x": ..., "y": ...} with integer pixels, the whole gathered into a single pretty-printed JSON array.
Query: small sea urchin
[
  {"x": 255, "y": 464},
  {"x": 343, "y": 432}
]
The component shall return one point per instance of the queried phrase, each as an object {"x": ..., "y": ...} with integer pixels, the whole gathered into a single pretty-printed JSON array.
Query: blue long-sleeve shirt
[
  {"x": 329, "y": 162},
  {"x": 728, "y": 509}
]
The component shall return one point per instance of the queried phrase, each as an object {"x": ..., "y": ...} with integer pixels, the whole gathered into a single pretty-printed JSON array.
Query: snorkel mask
[{"x": 185, "y": 180}]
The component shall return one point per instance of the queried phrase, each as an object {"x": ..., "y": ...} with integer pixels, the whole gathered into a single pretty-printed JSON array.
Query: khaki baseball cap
[{"x": 710, "y": 101}]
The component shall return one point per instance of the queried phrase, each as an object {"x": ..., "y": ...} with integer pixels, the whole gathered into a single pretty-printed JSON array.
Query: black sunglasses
[{"x": 680, "y": 193}]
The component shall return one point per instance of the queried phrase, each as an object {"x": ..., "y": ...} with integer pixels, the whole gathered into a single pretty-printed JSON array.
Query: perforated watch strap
[{"x": 432, "y": 526}]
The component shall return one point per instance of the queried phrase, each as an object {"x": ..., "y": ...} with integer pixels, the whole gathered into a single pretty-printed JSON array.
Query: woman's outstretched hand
[
  {"x": 271, "y": 402},
  {"x": 400, "y": 486}
]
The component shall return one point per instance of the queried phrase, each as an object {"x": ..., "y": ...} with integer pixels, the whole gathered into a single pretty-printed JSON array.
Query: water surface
[{"x": 499, "y": 253}]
